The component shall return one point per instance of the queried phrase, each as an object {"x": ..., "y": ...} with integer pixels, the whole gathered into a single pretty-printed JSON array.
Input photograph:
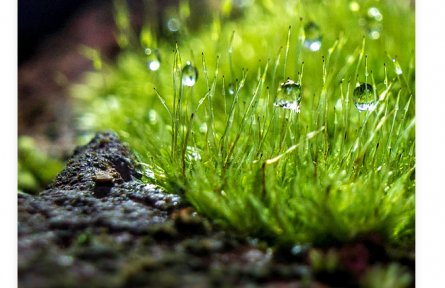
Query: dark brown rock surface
[{"x": 97, "y": 225}]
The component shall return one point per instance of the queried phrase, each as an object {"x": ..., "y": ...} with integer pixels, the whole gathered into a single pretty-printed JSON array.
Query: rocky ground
[{"x": 98, "y": 225}]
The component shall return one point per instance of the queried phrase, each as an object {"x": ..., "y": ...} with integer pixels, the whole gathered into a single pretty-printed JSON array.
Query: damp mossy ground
[
  {"x": 325, "y": 175},
  {"x": 137, "y": 235}
]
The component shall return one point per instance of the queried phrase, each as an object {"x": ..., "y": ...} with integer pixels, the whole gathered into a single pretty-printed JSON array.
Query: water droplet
[
  {"x": 313, "y": 36},
  {"x": 152, "y": 117},
  {"x": 189, "y": 75},
  {"x": 149, "y": 173},
  {"x": 289, "y": 96},
  {"x": 339, "y": 105},
  {"x": 203, "y": 128},
  {"x": 231, "y": 89},
  {"x": 173, "y": 24},
  {"x": 196, "y": 156},
  {"x": 397, "y": 67},
  {"x": 374, "y": 34},
  {"x": 154, "y": 65},
  {"x": 372, "y": 22},
  {"x": 154, "y": 58},
  {"x": 354, "y": 6},
  {"x": 192, "y": 153},
  {"x": 374, "y": 12},
  {"x": 363, "y": 97}
]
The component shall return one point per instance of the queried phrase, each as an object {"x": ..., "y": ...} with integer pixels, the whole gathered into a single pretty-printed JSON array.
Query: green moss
[
  {"x": 35, "y": 169},
  {"x": 325, "y": 175},
  {"x": 392, "y": 276}
]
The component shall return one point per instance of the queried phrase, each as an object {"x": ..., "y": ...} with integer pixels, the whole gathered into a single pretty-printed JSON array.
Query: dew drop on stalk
[
  {"x": 363, "y": 97},
  {"x": 152, "y": 117},
  {"x": 189, "y": 75},
  {"x": 192, "y": 153},
  {"x": 203, "y": 128},
  {"x": 397, "y": 67},
  {"x": 231, "y": 89},
  {"x": 289, "y": 96},
  {"x": 339, "y": 105},
  {"x": 313, "y": 36}
]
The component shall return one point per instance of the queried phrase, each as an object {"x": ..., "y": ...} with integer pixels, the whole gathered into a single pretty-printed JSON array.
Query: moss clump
[
  {"x": 324, "y": 175},
  {"x": 35, "y": 169}
]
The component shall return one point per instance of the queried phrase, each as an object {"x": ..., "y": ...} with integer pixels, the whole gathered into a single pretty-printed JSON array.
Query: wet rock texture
[{"x": 97, "y": 225}]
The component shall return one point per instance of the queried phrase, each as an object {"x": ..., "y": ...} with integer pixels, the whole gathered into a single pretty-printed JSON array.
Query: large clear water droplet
[
  {"x": 313, "y": 36},
  {"x": 289, "y": 96},
  {"x": 154, "y": 59},
  {"x": 189, "y": 75},
  {"x": 363, "y": 97}
]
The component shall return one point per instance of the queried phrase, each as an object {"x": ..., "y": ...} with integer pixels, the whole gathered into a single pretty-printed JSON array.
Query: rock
[
  {"x": 97, "y": 167},
  {"x": 98, "y": 225}
]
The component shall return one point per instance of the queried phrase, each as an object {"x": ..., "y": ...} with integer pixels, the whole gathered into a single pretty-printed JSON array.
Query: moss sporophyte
[{"x": 324, "y": 175}]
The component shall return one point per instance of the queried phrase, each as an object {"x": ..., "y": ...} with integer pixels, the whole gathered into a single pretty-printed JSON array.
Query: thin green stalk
[
  {"x": 230, "y": 57},
  {"x": 277, "y": 62},
  {"x": 285, "y": 54},
  {"x": 225, "y": 135},
  {"x": 247, "y": 115},
  {"x": 189, "y": 129},
  {"x": 299, "y": 45},
  {"x": 362, "y": 52}
]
